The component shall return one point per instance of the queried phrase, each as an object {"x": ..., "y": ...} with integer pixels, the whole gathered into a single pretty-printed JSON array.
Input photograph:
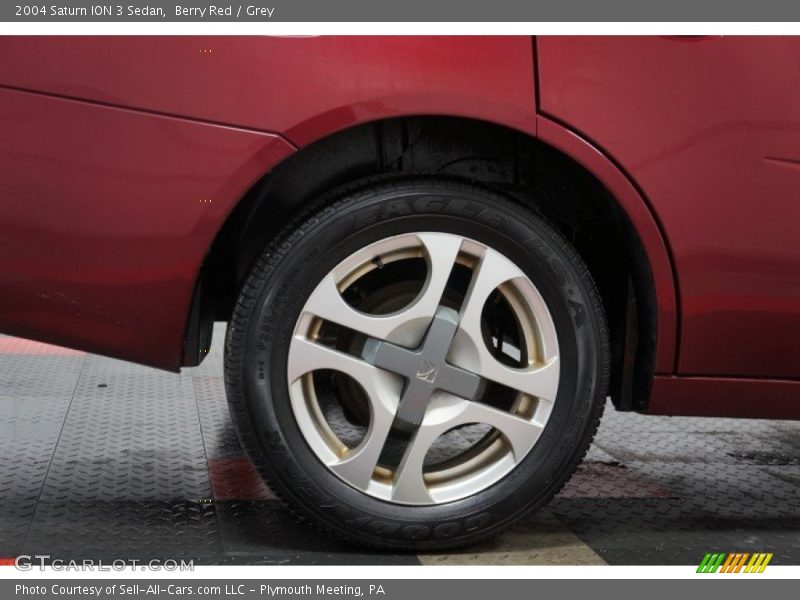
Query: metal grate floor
[{"x": 105, "y": 459}]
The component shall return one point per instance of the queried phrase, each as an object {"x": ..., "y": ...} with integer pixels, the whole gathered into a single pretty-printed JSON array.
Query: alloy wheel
[{"x": 423, "y": 368}]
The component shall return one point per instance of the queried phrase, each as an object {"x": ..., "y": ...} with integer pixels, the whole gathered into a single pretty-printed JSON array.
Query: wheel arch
[
  {"x": 644, "y": 222},
  {"x": 547, "y": 173}
]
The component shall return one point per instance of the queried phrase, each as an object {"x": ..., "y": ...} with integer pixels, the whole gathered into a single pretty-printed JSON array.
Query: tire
[{"x": 470, "y": 495}]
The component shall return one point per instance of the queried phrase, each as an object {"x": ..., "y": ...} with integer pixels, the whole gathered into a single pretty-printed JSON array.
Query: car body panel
[
  {"x": 106, "y": 215},
  {"x": 112, "y": 144},
  {"x": 301, "y": 87},
  {"x": 724, "y": 397},
  {"x": 709, "y": 129}
]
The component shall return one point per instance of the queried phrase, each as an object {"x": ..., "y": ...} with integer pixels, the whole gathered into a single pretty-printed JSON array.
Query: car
[{"x": 437, "y": 256}]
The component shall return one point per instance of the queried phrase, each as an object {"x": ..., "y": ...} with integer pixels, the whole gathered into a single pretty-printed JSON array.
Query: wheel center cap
[{"x": 425, "y": 369}]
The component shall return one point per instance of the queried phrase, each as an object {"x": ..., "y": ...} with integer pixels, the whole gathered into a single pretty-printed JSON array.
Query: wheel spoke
[
  {"x": 539, "y": 380},
  {"x": 358, "y": 465},
  {"x": 446, "y": 412},
  {"x": 493, "y": 270},
  {"x": 383, "y": 393},
  {"x": 520, "y": 433},
  {"x": 405, "y": 327},
  {"x": 306, "y": 356},
  {"x": 409, "y": 483}
]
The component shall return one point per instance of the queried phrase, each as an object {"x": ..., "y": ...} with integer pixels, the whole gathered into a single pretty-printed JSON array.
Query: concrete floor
[{"x": 105, "y": 459}]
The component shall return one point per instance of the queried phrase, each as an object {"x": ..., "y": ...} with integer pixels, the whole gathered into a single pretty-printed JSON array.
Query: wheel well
[{"x": 537, "y": 175}]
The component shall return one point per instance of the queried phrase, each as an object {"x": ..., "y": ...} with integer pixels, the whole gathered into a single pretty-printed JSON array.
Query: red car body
[{"x": 122, "y": 159}]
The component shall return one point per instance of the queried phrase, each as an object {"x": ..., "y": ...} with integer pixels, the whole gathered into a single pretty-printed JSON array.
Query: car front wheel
[{"x": 417, "y": 364}]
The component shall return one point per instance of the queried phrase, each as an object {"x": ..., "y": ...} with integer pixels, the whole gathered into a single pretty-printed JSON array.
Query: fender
[
  {"x": 103, "y": 234},
  {"x": 642, "y": 218}
]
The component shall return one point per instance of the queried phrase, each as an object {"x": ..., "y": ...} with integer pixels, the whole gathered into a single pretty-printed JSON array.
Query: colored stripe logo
[{"x": 735, "y": 562}]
